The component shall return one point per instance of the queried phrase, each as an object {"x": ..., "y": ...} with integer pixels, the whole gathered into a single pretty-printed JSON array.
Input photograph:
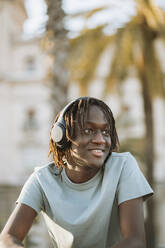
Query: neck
[{"x": 80, "y": 175}]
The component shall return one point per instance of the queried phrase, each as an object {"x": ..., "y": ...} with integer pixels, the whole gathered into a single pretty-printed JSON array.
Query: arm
[
  {"x": 17, "y": 226},
  {"x": 131, "y": 224}
]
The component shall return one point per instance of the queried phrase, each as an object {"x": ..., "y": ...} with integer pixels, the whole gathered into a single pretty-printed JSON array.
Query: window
[
  {"x": 30, "y": 64},
  {"x": 30, "y": 123}
]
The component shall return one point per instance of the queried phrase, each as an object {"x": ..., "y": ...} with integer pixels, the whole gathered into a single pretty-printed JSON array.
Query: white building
[
  {"x": 24, "y": 98},
  {"x": 24, "y": 110}
]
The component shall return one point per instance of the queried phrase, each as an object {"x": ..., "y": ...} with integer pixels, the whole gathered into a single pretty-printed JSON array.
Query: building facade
[{"x": 25, "y": 113}]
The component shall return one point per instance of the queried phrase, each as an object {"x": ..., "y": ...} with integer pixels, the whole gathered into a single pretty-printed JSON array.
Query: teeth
[{"x": 96, "y": 152}]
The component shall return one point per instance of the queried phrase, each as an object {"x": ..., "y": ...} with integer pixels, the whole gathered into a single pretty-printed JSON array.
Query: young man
[{"x": 90, "y": 196}]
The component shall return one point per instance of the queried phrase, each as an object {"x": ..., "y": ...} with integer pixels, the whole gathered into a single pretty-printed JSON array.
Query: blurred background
[{"x": 55, "y": 51}]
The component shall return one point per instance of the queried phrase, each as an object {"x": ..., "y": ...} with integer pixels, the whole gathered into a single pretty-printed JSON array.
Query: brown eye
[
  {"x": 88, "y": 131},
  {"x": 106, "y": 132}
]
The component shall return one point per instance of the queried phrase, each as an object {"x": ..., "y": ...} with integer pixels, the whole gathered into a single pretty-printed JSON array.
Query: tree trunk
[
  {"x": 59, "y": 52},
  {"x": 149, "y": 139},
  {"x": 149, "y": 157}
]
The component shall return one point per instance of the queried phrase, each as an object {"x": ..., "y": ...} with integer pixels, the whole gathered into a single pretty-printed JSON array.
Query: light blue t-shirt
[{"x": 85, "y": 215}]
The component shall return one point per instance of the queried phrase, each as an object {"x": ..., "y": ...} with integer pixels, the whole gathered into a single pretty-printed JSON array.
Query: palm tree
[
  {"x": 84, "y": 55},
  {"x": 58, "y": 48},
  {"x": 134, "y": 46}
]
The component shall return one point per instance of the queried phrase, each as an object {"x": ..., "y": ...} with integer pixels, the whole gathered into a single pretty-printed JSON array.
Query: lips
[{"x": 97, "y": 152}]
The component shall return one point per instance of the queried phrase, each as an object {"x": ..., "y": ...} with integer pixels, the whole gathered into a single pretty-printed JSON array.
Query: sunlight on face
[{"x": 91, "y": 145}]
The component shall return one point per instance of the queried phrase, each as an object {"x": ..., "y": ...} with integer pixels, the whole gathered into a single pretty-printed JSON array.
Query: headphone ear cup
[{"x": 58, "y": 134}]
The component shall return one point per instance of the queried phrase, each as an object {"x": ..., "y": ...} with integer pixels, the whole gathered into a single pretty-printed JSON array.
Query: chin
[{"x": 96, "y": 165}]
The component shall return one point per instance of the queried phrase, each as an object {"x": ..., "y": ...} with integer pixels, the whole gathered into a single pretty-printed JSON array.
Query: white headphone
[{"x": 58, "y": 133}]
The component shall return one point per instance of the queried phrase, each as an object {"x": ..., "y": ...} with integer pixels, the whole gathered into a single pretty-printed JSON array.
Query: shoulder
[
  {"x": 39, "y": 172},
  {"x": 47, "y": 172},
  {"x": 119, "y": 157},
  {"x": 121, "y": 161},
  {"x": 122, "y": 156},
  {"x": 49, "y": 167}
]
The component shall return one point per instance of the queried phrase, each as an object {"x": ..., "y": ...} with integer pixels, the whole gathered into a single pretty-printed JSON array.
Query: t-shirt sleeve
[
  {"x": 132, "y": 183},
  {"x": 31, "y": 194}
]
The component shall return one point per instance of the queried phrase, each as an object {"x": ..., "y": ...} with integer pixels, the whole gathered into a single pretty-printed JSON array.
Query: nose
[{"x": 98, "y": 137}]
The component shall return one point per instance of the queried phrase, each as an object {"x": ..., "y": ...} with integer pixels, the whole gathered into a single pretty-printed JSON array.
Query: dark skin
[
  {"x": 90, "y": 148},
  {"x": 87, "y": 156}
]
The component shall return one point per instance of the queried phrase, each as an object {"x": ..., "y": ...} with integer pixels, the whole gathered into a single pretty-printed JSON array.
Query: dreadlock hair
[{"x": 77, "y": 114}]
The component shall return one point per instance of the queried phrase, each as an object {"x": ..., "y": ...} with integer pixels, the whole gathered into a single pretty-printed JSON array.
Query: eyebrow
[{"x": 103, "y": 123}]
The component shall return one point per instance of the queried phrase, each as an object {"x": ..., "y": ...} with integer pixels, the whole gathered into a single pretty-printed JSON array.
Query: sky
[
  {"x": 117, "y": 13},
  {"x": 36, "y": 12}
]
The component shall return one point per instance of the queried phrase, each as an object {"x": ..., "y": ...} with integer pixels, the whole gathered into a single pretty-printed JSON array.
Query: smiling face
[{"x": 92, "y": 143}]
